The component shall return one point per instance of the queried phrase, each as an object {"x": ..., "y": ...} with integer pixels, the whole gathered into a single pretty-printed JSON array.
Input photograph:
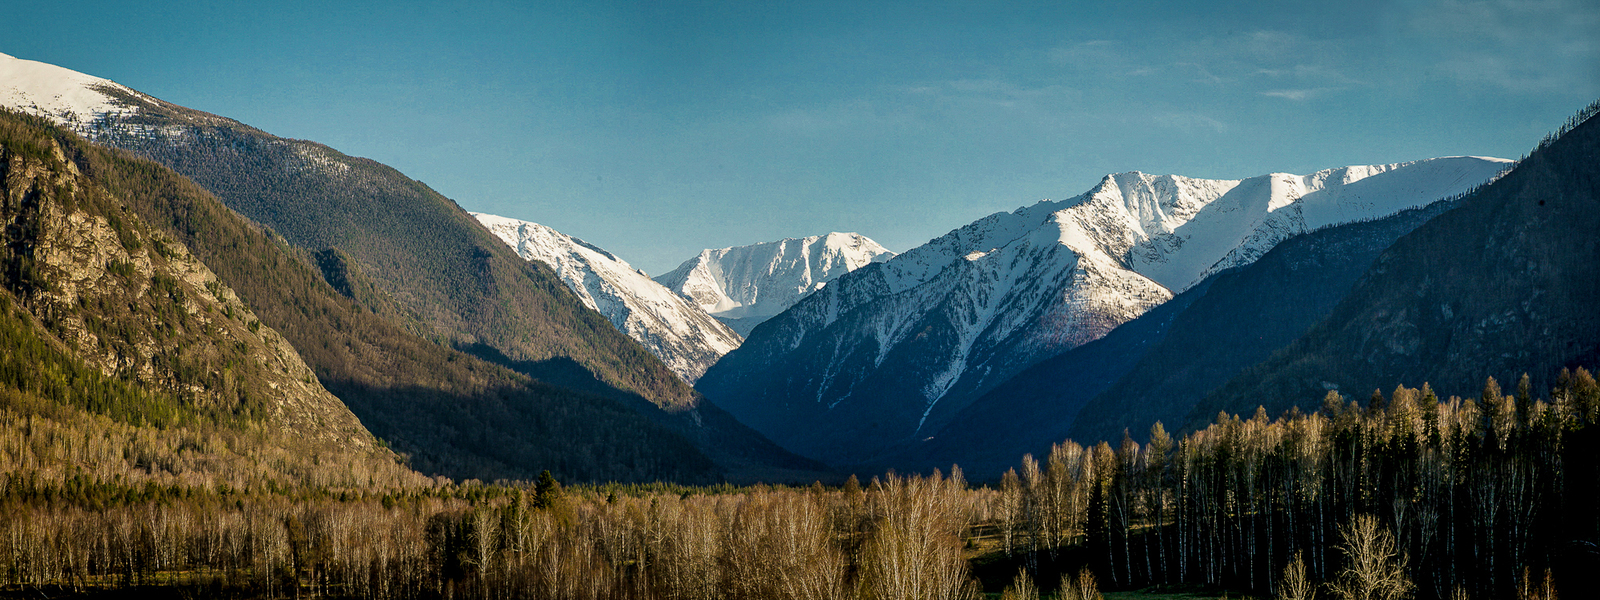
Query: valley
[{"x": 236, "y": 364}]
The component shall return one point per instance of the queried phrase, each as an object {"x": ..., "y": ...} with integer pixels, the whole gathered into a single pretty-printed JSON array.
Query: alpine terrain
[
  {"x": 444, "y": 274},
  {"x": 1157, "y": 367},
  {"x": 891, "y": 352},
  {"x": 426, "y": 325},
  {"x": 679, "y": 333},
  {"x": 746, "y": 285}
]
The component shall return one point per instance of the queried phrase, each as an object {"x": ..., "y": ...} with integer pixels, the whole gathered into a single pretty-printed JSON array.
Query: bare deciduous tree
[
  {"x": 1375, "y": 570},
  {"x": 1083, "y": 587},
  {"x": 1295, "y": 585},
  {"x": 1021, "y": 588}
]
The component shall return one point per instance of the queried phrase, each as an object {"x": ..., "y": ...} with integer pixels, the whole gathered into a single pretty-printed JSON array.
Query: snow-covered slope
[
  {"x": 61, "y": 95},
  {"x": 746, "y": 285},
  {"x": 890, "y": 352},
  {"x": 675, "y": 330}
]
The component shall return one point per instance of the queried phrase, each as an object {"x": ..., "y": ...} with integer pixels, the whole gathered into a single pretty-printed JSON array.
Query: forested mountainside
[
  {"x": 400, "y": 249},
  {"x": 452, "y": 413},
  {"x": 113, "y": 330},
  {"x": 1241, "y": 319},
  {"x": 452, "y": 279},
  {"x": 889, "y": 354},
  {"x": 677, "y": 331},
  {"x": 133, "y": 302},
  {"x": 1507, "y": 284}
]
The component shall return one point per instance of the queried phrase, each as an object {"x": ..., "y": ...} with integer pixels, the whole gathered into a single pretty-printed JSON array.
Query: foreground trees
[
  {"x": 1374, "y": 569},
  {"x": 1409, "y": 496},
  {"x": 1473, "y": 491}
]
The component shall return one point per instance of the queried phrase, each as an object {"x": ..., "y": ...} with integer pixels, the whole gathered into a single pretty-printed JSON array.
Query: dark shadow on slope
[
  {"x": 487, "y": 421},
  {"x": 1158, "y": 366},
  {"x": 517, "y": 431},
  {"x": 559, "y": 371},
  {"x": 1505, "y": 284},
  {"x": 747, "y": 455},
  {"x": 1035, "y": 409},
  {"x": 1246, "y": 315}
]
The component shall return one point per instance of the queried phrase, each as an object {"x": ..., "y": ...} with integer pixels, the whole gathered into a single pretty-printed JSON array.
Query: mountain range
[
  {"x": 1506, "y": 285},
  {"x": 1157, "y": 367},
  {"x": 437, "y": 335},
  {"x": 169, "y": 268},
  {"x": 689, "y": 326},
  {"x": 890, "y": 353}
]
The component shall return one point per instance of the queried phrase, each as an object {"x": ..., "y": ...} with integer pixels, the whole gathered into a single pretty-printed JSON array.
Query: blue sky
[{"x": 655, "y": 129}]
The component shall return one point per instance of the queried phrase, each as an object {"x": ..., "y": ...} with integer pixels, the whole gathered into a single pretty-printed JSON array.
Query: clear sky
[{"x": 655, "y": 129}]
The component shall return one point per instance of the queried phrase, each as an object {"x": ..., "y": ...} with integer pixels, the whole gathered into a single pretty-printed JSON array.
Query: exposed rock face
[{"x": 135, "y": 304}]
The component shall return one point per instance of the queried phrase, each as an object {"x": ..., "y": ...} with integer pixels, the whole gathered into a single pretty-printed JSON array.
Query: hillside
[
  {"x": 427, "y": 269},
  {"x": 450, "y": 278},
  {"x": 1506, "y": 284},
  {"x": 452, "y": 413},
  {"x": 111, "y": 328}
]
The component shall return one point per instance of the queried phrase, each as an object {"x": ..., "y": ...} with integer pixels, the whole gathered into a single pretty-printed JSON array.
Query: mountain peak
[
  {"x": 62, "y": 95},
  {"x": 745, "y": 285},
  {"x": 677, "y": 332}
]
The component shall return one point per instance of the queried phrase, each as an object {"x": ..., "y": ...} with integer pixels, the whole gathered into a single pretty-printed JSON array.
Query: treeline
[
  {"x": 1475, "y": 491},
  {"x": 1475, "y": 498},
  {"x": 900, "y": 538}
]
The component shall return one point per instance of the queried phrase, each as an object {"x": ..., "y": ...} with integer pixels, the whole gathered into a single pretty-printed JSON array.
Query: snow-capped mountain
[
  {"x": 61, "y": 95},
  {"x": 425, "y": 266},
  {"x": 890, "y": 352},
  {"x": 676, "y": 331},
  {"x": 745, "y": 285}
]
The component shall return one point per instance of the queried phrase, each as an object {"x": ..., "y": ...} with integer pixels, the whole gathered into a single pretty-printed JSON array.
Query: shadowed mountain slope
[
  {"x": 395, "y": 247},
  {"x": 454, "y": 414},
  {"x": 1244, "y": 316},
  {"x": 1506, "y": 284}
]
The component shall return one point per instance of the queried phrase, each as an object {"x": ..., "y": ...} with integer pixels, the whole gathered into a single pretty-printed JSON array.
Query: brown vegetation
[
  {"x": 1448, "y": 494},
  {"x": 453, "y": 413}
]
